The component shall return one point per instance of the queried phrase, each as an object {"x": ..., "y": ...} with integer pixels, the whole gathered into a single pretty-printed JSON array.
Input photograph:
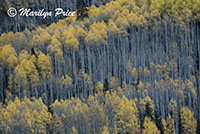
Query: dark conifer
[{"x": 82, "y": 10}]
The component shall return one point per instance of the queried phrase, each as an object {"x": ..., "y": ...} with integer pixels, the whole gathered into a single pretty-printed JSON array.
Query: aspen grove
[{"x": 129, "y": 67}]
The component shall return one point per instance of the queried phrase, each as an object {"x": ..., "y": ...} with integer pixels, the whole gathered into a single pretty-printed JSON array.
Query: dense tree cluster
[
  {"x": 19, "y": 23},
  {"x": 109, "y": 113},
  {"x": 129, "y": 67}
]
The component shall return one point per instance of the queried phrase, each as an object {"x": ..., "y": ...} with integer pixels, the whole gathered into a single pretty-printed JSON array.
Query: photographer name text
[{"x": 27, "y": 12}]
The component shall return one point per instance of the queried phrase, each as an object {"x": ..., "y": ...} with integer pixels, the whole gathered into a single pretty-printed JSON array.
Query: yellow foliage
[
  {"x": 122, "y": 22},
  {"x": 134, "y": 73},
  {"x": 93, "y": 12},
  {"x": 127, "y": 117},
  {"x": 133, "y": 19},
  {"x": 44, "y": 64},
  {"x": 147, "y": 105},
  {"x": 66, "y": 81},
  {"x": 105, "y": 130},
  {"x": 140, "y": 85},
  {"x": 196, "y": 8},
  {"x": 188, "y": 122},
  {"x": 113, "y": 82},
  {"x": 69, "y": 38},
  {"x": 26, "y": 74},
  {"x": 28, "y": 116},
  {"x": 7, "y": 38},
  {"x": 81, "y": 32},
  {"x": 191, "y": 87},
  {"x": 96, "y": 110},
  {"x": 112, "y": 27},
  {"x": 169, "y": 125},
  {"x": 146, "y": 72},
  {"x": 149, "y": 127},
  {"x": 55, "y": 48},
  {"x": 99, "y": 87},
  {"x": 8, "y": 56},
  {"x": 45, "y": 37},
  {"x": 97, "y": 33},
  {"x": 85, "y": 77},
  {"x": 24, "y": 55},
  {"x": 74, "y": 131},
  {"x": 173, "y": 108},
  {"x": 57, "y": 34},
  {"x": 69, "y": 20}
]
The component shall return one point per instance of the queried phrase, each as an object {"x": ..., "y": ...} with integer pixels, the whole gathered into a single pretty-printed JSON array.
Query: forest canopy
[{"x": 130, "y": 66}]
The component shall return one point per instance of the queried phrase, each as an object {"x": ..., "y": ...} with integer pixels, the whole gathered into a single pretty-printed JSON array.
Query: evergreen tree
[{"x": 82, "y": 10}]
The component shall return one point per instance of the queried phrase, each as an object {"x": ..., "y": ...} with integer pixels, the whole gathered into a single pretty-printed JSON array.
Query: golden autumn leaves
[
  {"x": 29, "y": 116},
  {"x": 32, "y": 116},
  {"x": 67, "y": 56}
]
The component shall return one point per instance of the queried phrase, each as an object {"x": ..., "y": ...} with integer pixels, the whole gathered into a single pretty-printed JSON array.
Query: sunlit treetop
[
  {"x": 112, "y": 27},
  {"x": 55, "y": 48},
  {"x": 70, "y": 38},
  {"x": 8, "y": 56},
  {"x": 97, "y": 33},
  {"x": 44, "y": 64},
  {"x": 81, "y": 32},
  {"x": 7, "y": 38}
]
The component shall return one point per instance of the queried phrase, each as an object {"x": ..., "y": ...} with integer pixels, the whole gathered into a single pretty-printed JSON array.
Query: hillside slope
[
  {"x": 19, "y": 23},
  {"x": 130, "y": 67}
]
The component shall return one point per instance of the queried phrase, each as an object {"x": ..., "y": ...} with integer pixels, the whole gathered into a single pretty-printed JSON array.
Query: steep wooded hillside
[
  {"x": 130, "y": 67},
  {"x": 19, "y": 23}
]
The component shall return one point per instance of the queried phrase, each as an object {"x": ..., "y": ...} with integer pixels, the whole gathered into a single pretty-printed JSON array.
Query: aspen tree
[
  {"x": 24, "y": 55},
  {"x": 196, "y": 8},
  {"x": 74, "y": 131},
  {"x": 122, "y": 22},
  {"x": 97, "y": 115},
  {"x": 66, "y": 82},
  {"x": 8, "y": 61},
  {"x": 45, "y": 71},
  {"x": 26, "y": 76},
  {"x": 105, "y": 130},
  {"x": 127, "y": 117},
  {"x": 71, "y": 39},
  {"x": 169, "y": 125},
  {"x": 81, "y": 34},
  {"x": 147, "y": 51},
  {"x": 173, "y": 109},
  {"x": 111, "y": 105},
  {"x": 98, "y": 29},
  {"x": 72, "y": 43},
  {"x": 41, "y": 40},
  {"x": 133, "y": 19},
  {"x": 113, "y": 28},
  {"x": 87, "y": 83},
  {"x": 8, "y": 56},
  {"x": 81, "y": 31},
  {"x": 7, "y": 38},
  {"x": 44, "y": 64},
  {"x": 188, "y": 122},
  {"x": 149, "y": 127},
  {"x": 57, "y": 124},
  {"x": 114, "y": 83},
  {"x": 25, "y": 116},
  {"x": 99, "y": 87}
]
